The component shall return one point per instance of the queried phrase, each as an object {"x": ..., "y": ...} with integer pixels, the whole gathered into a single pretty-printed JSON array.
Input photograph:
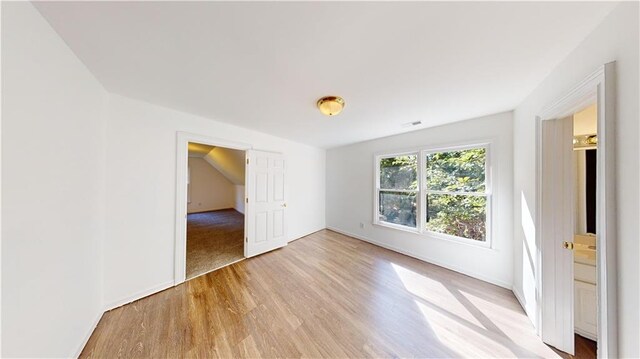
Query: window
[
  {"x": 443, "y": 192},
  {"x": 398, "y": 190},
  {"x": 455, "y": 192}
]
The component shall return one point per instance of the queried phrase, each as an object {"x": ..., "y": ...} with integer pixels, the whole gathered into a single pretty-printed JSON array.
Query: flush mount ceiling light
[{"x": 330, "y": 105}]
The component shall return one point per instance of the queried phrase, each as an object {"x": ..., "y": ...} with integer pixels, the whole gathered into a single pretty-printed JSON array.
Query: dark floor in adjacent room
[
  {"x": 214, "y": 239},
  {"x": 584, "y": 349}
]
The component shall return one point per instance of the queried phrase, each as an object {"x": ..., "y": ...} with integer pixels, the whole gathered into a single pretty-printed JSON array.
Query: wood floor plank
[{"x": 325, "y": 295}]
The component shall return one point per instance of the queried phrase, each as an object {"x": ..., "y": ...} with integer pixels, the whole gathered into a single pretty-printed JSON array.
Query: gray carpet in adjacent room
[{"x": 214, "y": 239}]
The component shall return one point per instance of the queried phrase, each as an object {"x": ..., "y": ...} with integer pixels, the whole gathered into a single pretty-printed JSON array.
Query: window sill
[
  {"x": 449, "y": 238},
  {"x": 435, "y": 235},
  {"x": 397, "y": 226}
]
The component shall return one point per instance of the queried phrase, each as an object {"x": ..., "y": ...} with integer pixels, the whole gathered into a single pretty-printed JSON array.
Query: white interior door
[
  {"x": 266, "y": 219},
  {"x": 557, "y": 227}
]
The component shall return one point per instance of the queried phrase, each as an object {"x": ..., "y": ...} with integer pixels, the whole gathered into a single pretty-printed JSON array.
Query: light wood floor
[
  {"x": 325, "y": 295},
  {"x": 214, "y": 239}
]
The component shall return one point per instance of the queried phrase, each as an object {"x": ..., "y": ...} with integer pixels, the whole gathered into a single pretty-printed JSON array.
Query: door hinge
[
  {"x": 247, "y": 199},
  {"x": 246, "y": 239},
  {"x": 247, "y": 161}
]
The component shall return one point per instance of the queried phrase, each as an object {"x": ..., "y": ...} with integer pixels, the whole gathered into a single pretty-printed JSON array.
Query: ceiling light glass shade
[{"x": 331, "y": 105}]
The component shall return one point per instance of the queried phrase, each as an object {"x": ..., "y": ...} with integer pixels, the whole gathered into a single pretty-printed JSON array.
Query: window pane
[
  {"x": 399, "y": 172},
  {"x": 456, "y": 171},
  {"x": 398, "y": 208},
  {"x": 457, "y": 215}
]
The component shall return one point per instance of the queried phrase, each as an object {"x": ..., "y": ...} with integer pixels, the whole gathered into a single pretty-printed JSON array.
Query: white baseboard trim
[
  {"x": 139, "y": 295},
  {"x": 424, "y": 259},
  {"x": 203, "y": 210},
  {"x": 304, "y": 235},
  {"x": 522, "y": 302},
  {"x": 520, "y": 298},
  {"x": 88, "y": 335},
  {"x": 586, "y": 334},
  {"x": 160, "y": 287}
]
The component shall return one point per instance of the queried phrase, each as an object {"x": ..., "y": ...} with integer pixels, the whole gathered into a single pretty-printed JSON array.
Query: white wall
[
  {"x": 350, "y": 184},
  {"x": 209, "y": 190},
  {"x": 139, "y": 250},
  {"x": 615, "y": 39},
  {"x": 585, "y": 122},
  {"x": 238, "y": 191},
  {"x": 53, "y": 190}
]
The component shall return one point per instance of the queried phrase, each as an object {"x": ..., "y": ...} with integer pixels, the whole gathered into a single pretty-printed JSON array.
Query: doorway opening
[
  {"x": 215, "y": 208},
  {"x": 259, "y": 201},
  {"x": 569, "y": 201},
  {"x": 585, "y": 299},
  {"x": 575, "y": 216}
]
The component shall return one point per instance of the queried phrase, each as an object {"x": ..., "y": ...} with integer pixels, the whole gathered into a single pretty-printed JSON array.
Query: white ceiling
[{"x": 263, "y": 65}]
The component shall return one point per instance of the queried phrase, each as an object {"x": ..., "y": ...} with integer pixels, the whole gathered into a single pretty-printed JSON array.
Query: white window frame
[
  {"x": 376, "y": 216},
  {"x": 421, "y": 203}
]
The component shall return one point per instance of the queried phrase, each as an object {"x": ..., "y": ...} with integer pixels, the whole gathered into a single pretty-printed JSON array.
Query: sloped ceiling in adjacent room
[
  {"x": 198, "y": 149},
  {"x": 229, "y": 162},
  {"x": 263, "y": 65}
]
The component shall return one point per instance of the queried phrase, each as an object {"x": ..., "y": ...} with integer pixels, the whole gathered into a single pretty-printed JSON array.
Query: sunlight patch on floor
[
  {"x": 467, "y": 339},
  {"x": 431, "y": 291},
  {"x": 471, "y": 325}
]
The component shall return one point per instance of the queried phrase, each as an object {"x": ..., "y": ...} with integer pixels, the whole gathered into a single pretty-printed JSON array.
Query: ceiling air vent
[{"x": 411, "y": 124}]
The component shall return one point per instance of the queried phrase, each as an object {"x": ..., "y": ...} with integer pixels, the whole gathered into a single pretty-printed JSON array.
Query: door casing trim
[
  {"x": 599, "y": 87},
  {"x": 182, "y": 154}
]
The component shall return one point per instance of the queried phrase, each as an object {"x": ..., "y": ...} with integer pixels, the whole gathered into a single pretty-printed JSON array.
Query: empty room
[
  {"x": 320, "y": 179},
  {"x": 215, "y": 207}
]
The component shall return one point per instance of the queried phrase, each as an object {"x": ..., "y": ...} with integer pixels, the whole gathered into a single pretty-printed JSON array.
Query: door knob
[
  {"x": 567, "y": 245},
  {"x": 284, "y": 205}
]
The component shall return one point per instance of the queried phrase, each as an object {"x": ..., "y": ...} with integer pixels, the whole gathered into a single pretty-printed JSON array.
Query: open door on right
[
  {"x": 557, "y": 233},
  {"x": 578, "y": 251},
  {"x": 266, "y": 219}
]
